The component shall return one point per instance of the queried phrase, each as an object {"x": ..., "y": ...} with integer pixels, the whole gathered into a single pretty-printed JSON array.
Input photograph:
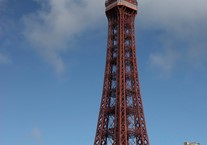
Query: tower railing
[{"x": 108, "y": 2}]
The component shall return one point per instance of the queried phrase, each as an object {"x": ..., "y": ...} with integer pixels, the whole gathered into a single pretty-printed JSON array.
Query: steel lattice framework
[{"x": 121, "y": 118}]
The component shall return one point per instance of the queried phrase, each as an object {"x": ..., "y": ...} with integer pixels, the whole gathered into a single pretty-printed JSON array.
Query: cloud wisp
[
  {"x": 1, "y": 1},
  {"x": 5, "y": 59},
  {"x": 36, "y": 133},
  {"x": 184, "y": 25},
  {"x": 52, "y": 29},
  {"x": 165, "y": 61}
]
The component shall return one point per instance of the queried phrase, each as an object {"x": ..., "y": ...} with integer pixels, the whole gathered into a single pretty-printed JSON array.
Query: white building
[{"x": 191, "y": 143}]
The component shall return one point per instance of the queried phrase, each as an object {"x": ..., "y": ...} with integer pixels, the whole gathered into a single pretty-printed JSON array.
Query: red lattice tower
[{"x": 121, "y": 118}]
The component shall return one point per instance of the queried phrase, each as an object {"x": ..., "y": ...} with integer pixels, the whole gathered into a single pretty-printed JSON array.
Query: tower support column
[{"x": 121, "y": 118}]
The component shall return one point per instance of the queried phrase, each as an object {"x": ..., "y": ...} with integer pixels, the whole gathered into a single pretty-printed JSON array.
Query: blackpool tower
[{"x": 121, "y": 118}]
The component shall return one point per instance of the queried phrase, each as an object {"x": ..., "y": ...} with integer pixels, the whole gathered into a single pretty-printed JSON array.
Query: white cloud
[
  {"x": 169, "y": 12},
  {"x": 2, "y": 5},
  {"x": 52, "y": 29},
  {"x": 1, "y": 1},
  {"x": 4, "y": 59},
  {"x": 165, "y": 61},
  {"x": 36, "y": 133},
  {"x": 183, "y": 24}
]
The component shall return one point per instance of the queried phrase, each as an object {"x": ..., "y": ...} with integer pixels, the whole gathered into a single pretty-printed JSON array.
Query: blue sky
[{"x": 52, "y": 59}]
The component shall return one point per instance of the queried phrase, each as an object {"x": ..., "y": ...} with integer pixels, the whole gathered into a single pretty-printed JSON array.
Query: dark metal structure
[{"x": 121, "y": 119}]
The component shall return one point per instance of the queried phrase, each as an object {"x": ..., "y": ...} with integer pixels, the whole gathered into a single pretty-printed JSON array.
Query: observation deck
[{"x": 128, "y": 3}]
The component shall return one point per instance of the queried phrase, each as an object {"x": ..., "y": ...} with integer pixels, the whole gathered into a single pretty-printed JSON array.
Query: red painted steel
[{"x": 121, "y": 118}]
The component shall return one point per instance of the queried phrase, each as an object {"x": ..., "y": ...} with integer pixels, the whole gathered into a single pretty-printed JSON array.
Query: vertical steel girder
[{"x": 121, "y": 118}]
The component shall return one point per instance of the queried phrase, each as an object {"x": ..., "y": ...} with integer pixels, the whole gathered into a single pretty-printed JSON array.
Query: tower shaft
[{"x": 121, "y": 118}]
